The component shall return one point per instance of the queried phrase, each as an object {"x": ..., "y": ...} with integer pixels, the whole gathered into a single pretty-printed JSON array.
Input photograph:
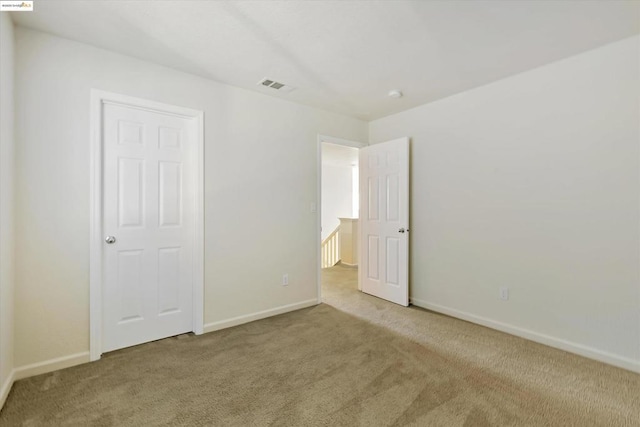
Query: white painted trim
[
  {"x": 98, "y": 99},
  {"x": 6, "y": 388},
  {"x": 198, "y": 249},
  {"x": 95, "y": 226},
  {"x": 235, "y": 321},
  {"x": 338, "y": 141},
  {"x": 50, "y": 365},
  {"x": 318, "y": 248},
  {"x": 571, "y": 347},
  {"x": 341, "y": 141}
]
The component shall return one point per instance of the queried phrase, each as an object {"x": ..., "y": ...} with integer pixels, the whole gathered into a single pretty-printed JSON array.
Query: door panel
[
  {"x": 393, "y": 261},
  {"x": 169, "y": 279},
  {"x": 149, "y": 207},
  {"x": 373, "y": 257},
  {"x": 170, "y": 193},
  {"x": 129, "y": 284},
  {"x": 384, "y": 172},
  {"x": 169, "y": 138},
  {"x": 130, "y": 133},
  {"x": 393, "y": 194},
  {"x": 130, "y": 192},
  {"x": 373, "y": 194}
]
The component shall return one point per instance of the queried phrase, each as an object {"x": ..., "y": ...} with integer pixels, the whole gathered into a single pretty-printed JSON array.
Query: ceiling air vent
[{"x": 275, "y": 85}]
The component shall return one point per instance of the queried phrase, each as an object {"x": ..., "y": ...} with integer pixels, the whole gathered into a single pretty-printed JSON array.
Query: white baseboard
[
  {"x": 571, "y": 347},
  {"x": 235, "y": 321},
  {"x": 40, "y": 368},
  {"x": 50, "y": 365},
  {"x": 6, "y": 388}
]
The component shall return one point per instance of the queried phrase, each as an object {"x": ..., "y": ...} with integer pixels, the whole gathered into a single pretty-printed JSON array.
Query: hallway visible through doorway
[{"x": 339, "y": 206}]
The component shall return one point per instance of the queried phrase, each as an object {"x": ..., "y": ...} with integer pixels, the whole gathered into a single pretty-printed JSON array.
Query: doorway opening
[{"x": 338, "y": 216}]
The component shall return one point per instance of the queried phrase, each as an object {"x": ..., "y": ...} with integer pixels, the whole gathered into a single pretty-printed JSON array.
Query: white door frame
[
  {"x": 337, "y": 141},
  {"x": 96, "y": 246}
]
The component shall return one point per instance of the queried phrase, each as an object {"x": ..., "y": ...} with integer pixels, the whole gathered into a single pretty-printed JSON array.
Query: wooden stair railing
[{"x": 331, "y": 249}]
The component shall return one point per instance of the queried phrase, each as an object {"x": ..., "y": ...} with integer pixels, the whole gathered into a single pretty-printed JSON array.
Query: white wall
[
  {"x": 532, "y": 183},
  {"x": 337, "y": 195},
  {"x": 6, "y": 204},
  {"x": 260, "y": 181}
]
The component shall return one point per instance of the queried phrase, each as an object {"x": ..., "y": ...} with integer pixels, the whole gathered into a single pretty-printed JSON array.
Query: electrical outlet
[
  {"x": 285, "y": 279},
  {"x": 504, "y": 293}
]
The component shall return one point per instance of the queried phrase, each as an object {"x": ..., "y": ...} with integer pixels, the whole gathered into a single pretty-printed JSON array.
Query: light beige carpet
[
  {"x": 323, "y": 366},
  {"x": 604, "y": 394}
]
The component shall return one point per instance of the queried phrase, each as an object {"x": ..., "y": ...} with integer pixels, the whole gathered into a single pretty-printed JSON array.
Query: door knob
[
  {"x": 110, "y": 240},
  {"x": 402, "y": 230}
]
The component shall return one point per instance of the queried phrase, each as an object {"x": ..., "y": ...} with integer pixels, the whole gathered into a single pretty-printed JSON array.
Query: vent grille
[{"x": 275, "y": 85}]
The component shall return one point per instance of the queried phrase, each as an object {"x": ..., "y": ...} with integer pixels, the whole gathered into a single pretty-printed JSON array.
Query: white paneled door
[
  {"x": 384, "y": 220},
  {"x": 148, "y": 225}
]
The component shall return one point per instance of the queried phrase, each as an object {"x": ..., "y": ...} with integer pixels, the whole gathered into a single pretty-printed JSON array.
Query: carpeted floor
[
  {"x": 382, "y": 366},
  {"x": 604, "y": 394}
]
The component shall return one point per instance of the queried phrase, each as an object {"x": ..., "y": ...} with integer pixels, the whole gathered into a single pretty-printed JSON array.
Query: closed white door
[
  {"x": 148, "y": 223},
  {"x": 384, "y": 220}
]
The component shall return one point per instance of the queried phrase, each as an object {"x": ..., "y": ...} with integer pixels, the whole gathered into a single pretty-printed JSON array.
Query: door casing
[{"x": 98, "y": 99}]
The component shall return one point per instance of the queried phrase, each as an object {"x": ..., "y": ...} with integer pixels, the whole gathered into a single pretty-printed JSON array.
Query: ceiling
[
  {"x": 339, "y": 155},
  {"x": 344, "y": 56}
]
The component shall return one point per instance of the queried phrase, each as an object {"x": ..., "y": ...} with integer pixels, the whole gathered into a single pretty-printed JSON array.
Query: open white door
[{"x": 384, "y": 220}]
